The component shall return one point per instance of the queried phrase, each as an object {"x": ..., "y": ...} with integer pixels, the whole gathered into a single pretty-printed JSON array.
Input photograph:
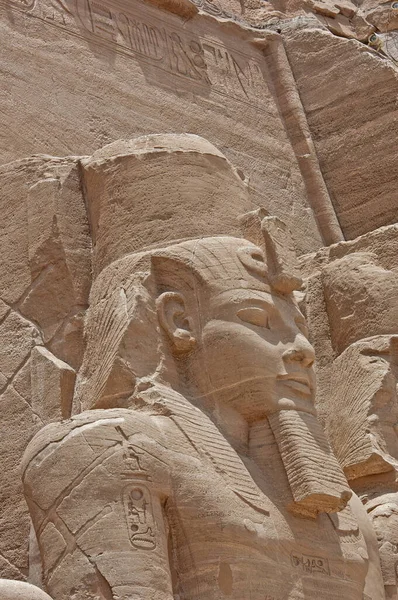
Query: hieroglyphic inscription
[
  {"x": 132, "y": 462},
  {"x": 310, "y": 564},
  {"x": 206, "y": 64},
  {"x": 139, "y": 516}
]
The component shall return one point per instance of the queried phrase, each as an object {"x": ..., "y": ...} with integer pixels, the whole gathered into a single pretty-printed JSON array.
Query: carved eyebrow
[
  {"x": 259, "y": 302},
  {"x": 264, "y": 301}
]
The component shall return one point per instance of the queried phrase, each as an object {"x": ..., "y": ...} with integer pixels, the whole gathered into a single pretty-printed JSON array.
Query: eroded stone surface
[
  {"x": 364, "y": 401},
  {"x": 194, "y": 465},
  {"x": 44, "y": 282},
  {"x": 142, "y": 70},
  {"x": 352, "y": 115},
  {"x": 216, "y": 459},
  {"x": 352, "y": 303},
  {"x": 208, "y": 70}
]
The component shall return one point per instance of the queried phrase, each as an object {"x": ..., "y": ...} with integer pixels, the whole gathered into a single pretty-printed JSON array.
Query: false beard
[{"x": 316, "y": 480}]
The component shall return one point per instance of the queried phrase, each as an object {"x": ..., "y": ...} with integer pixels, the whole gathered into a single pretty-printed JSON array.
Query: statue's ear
[{"x": 173, "y": 318}]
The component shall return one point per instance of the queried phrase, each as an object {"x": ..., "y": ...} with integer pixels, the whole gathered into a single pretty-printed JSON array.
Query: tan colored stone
[
  {"x": 361, "y": 298},
  {"x": 18, "y": 337},
  {"x": 325, "y": 9},
  {"x": 383, "y": 511},
  {"x": 349, "y": 96},
  {"x": 352, "y": 305},
  {"x": 283, "y": 269},
  {"x": 207, "y": 471},
  {"x": 346, "y": 8},
  {"x": 52, "y": 383},
  {"x": 150, "y": 178},
  {"x": 299, "y": 132},
  {"x": 4, "y": 309},
  {"x": 363, "y": 415},
  {"x": 135, "y": 548},
  {"x": 342, "y": 26},
  {"x": 17, "y": 426},
  {"x": 142, "y": 70},
  {"x": 245, "y": 494},
  {"x": 383, "y": 17},
  {"x": 344, "y": 302},
  {"x": 45, "y": 276},
  {"x": 363, "y": 407},
  {"x": 16, "y": 590},
  {"x": 201, "y": 66},
  {"x": 46, "y": 268}
]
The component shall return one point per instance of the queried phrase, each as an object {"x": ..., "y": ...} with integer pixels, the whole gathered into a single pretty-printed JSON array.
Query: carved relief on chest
[{"x": 139, "y": 516}]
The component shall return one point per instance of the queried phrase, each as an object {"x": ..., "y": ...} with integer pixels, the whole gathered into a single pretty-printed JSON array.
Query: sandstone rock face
[
  {"x": 166, "y": 180},
  {"x": 125, "y": 71},
  {"x": 44, "y": 282},
  {"x": 365, "y": 403},
  {"x": 197, "y": 67},
  {"x": 349, "y": 285},
  {"x": 194, "y": 466},
  {"x": 352, "y": 114},
  {"x": 352, "y": 303},
  {"x": 225, "y": 210}
]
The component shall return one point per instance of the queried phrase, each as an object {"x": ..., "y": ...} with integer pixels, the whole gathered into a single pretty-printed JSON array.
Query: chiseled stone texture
[
  {"x": 118, "y": 72},
  {"x": 350, "y": 295},
  {"x": 361, "y": 425},
  {"x": 349, "y": 96},
  {"x": 102, "y": 71},
  {"x": 352, "y": 307},
  {"x": 45, "y": 276},
  {"x": 194, "y": 465},
  {"x": 159, "y": 71},
  {"x": 45, "y": 258}
]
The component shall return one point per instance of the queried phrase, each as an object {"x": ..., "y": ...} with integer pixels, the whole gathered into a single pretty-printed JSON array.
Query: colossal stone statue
[
  {"x": 194, "y": 467},
  {"x": 361, "y": 291},
  {"x": 362, "y": 429}
]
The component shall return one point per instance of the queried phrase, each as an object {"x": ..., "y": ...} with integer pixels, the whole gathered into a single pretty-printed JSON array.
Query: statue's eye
[{"x": 255, "y": 316}]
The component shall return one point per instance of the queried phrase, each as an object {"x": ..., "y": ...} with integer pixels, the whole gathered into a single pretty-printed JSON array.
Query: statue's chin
[{"x": 316, "y": 480}]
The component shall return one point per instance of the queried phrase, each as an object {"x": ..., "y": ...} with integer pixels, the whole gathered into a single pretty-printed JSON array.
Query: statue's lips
[{"x": 298, "y": 382}]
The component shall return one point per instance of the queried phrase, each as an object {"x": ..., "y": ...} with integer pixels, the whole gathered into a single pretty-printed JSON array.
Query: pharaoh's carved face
[
  {"x": 255, "y": 354},
  {"x": 248, "y": 343}
]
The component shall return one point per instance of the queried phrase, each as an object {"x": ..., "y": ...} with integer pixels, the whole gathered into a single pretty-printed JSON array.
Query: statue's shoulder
[
  {"x": 143, "y": 437},
  {"x": 105, "y": 424},
  {"x": 120, "y": 444}
]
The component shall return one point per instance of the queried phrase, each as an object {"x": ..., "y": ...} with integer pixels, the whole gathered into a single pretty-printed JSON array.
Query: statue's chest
[{"x": 230, "y": 543}]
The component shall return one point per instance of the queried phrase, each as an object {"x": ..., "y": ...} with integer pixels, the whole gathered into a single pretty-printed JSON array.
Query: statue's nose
[{"x": 300, "y": 351}]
